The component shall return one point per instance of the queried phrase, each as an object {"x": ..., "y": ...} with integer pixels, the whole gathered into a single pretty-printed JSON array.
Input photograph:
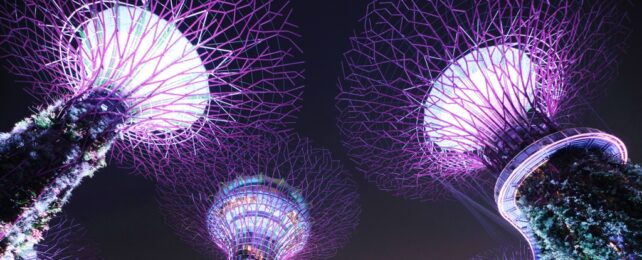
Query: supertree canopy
[
  {"x": 272, "y": 217},
  {"x": 270, "y": 199},
  {"x": 443, "y": 96},
  {"x": 447, "y": 91},
  {"x": 157, "y": 80}
]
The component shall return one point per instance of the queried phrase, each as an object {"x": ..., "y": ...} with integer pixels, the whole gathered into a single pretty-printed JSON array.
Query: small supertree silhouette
[
  {"x": 445, "y": 97},
  {"x": 151, "y": 81},
  {"x": 272, "y": 199}
]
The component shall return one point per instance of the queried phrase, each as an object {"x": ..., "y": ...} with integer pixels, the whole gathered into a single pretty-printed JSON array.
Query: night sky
[{"x": 121, "y": 213}]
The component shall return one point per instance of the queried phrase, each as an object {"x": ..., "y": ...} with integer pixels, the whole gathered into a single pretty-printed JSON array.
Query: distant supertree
[
  {"x": 157, "y": 80},
  {"x": 515, "y": 252},
  {"x": 444, "y": 96},
  {"x": 272, "y": 199}
]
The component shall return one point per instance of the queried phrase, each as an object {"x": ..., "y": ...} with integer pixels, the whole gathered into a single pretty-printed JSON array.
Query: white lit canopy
[
  {"x": 150, "y": 63},
  {"x": 478, "y": 94}
]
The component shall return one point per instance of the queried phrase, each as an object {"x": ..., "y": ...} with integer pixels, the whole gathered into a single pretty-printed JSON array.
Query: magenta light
[
  {"x": 145, "y": 58},
  {"x": 65, "y": 239},
  {"x": 267, "y": 198},
  {"x": 147, "y": 82},
  {"x": 259, "y": 215},
  {"x": 441, "y": 94},
  {"x": 491, "y": 84},
  {"x": 191, "y": 73},
  {"x": 536, "y": 154}
]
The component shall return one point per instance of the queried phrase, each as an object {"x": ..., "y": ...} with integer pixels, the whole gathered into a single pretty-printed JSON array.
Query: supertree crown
[
  {"x": 161, "y": 81},
  {"x": 259, "y": 216},
  {"x": 187, "y": 71},
  {"x": 147, "y": 60},
  {"x": 487, "y": 89},
  {"x": 270, "y": 199},
  {"x": 444, "y": 90}
]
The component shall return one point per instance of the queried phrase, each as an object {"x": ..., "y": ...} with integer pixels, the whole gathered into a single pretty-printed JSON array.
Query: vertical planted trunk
[
  {"x": 581, "y": 205},
  {"x": 45, "y": 157}
]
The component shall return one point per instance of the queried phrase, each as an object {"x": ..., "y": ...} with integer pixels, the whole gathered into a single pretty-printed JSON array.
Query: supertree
[
  {"x": 513, "y": 252},
  {"x": 448, "y": 97},
  {"x": 151, "y": 81},
  {"x": 274, "y": 198}
]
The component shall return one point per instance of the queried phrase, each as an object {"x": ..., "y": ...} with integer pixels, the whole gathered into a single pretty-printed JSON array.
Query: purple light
[
  {"x": 266, "y": 198},
  {"x": 259, "y": 216},
  {"x": 191, "y": 73},
  {"x": 63, "y": 239},
  {"x": 483, "y": 90},
  {"x": 145, "y": 58},
  {"x": 152, "y": 82},
  {"x": 437, "y": 95},
  {"x": 536, "y": 154}
]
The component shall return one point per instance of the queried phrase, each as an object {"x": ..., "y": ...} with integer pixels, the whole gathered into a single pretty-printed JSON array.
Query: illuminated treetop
[
  {"x": 437, "y": 93},
  {"x": 159, "y": 81},
  {"x": 267, "y": 198},
  {"x": 259, "y": 216},
  {"x": 188, "y": 71}
]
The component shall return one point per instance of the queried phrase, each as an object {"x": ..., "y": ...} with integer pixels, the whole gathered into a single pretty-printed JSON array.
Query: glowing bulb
[
  {"x": 479, "y": 94},
  {"x": 150, "y": 63}
]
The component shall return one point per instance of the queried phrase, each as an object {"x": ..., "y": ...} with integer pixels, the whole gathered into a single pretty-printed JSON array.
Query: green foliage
[
  {"x": 43, "y": 121},
  {"x": 581, "y": 205}
]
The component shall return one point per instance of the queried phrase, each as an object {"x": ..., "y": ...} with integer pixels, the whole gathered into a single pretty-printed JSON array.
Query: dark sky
[{"x": 121, "y": 215}]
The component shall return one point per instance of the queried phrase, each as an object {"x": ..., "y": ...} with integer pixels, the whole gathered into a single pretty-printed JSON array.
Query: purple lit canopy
[
  {"x": 268, "y": 199},
  {"x": 188, "y": 71},
  {"x": 438, "y": 93},
  {"x": 159, "y": 81}
]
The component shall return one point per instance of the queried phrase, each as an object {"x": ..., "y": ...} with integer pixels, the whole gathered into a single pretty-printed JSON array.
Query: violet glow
[
  {"x": 268, "y": 198},
  {"x": 65, "y": 239},
  {"x": 442, "y": 94},
  {"x": 137, "y": 54},
  {"x": 190, "y": 72},
  {"x": 477, "y": 89},
  {"x": 157, "y": 81},
  {"x": 260, "y": 215},
  {"x": 536, "y": 154}
]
